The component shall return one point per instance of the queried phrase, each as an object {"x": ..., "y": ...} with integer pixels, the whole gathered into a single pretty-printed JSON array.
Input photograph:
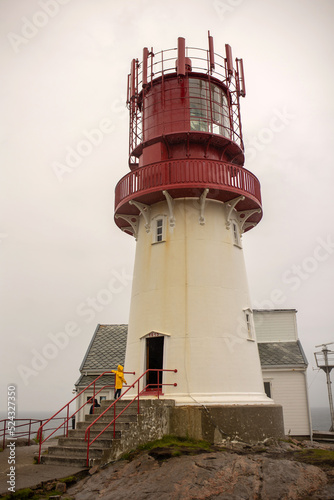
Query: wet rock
[
  {"x": 61, "y": 487},
  {"x": 94, "y": 470},
  {"x": 223, "y": 474}
]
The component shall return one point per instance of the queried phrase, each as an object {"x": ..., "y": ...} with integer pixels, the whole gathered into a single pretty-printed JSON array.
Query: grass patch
[
  {"x": 169, "y": 446},
  {"x": 316, "y": 457},
  {"x": 68, "y": 480},
  {"x": 23, "y": 494},
  {"x": 175, "y": 442},
  {"x": 29, "y": 494}
]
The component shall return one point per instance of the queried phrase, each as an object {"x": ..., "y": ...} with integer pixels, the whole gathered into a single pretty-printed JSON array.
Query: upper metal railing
[{"x": 156, "y": 66}]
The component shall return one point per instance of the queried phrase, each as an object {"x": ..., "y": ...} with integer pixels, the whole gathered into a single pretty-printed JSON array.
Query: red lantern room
[{"x": 185, "y": 133}]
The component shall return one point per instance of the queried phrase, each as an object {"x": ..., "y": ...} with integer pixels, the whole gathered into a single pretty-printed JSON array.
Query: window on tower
[
  {"x": 249, "y": 324},
  {"x": 159, "y": 229},
  {"x": 236, "y": 234},
  {"x": 209, "y": 111}
]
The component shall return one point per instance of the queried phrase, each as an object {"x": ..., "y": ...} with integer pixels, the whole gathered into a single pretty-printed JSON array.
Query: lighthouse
[{"x": 188, "y": 200}]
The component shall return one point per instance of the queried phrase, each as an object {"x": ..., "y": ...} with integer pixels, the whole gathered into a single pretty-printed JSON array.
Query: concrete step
[
  {"x": 55, "y": 460},
  {"x": 79, "y": 442},
  {"x": 121, "y": 402},
  {"x": 128, "y": 411},
  {"x": 103, "y": 421},
  {"x": 76, "y": 457},
  {"x": 108, "y": 434},
  {"x": 106, "y": 419},
  {"x": 74, "y": 452}
]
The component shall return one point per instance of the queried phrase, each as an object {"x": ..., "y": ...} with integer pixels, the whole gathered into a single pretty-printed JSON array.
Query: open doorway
[{"x": 154, "y": 361}]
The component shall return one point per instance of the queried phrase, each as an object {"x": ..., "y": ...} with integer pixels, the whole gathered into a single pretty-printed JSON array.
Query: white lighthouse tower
[{"x": 188, "y": 200}]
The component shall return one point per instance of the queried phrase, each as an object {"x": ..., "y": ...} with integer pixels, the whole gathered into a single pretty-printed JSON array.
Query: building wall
[
  {"x": 85, "y": 408},
  {"x": 275, "y": 325},
  {"x": 289, "y": 389}
]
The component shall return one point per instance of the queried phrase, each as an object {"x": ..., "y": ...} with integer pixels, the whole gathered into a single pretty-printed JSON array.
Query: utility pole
[{"x": 325, "y": 361}]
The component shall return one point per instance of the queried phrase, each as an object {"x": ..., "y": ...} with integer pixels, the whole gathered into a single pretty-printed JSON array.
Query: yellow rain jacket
[{"x": 119, "y": 377}]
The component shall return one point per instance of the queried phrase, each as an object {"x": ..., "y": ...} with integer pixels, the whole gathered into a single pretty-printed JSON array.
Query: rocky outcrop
[{"x": 234, "y": 472}]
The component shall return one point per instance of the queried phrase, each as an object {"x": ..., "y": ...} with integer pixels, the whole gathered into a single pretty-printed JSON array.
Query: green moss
[
  {"x": 173, "y": 446},
  {"x": 23, "y": 494},
  {"x": 316, "y": 457},
  {"x": 36, "y": 439},
  {"x": 170, "y": 441},
  {"x": 68, "y": 480},
  {"x": 128, "y": 456}
]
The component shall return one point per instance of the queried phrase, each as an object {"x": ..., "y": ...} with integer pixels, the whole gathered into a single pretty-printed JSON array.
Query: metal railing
[
  {"x": 178, "y": 174},
  {"x": 69, "y": 417},
  {"x": 162, "y": 64},
  {"x": 24, "y": 428},
  {"x": 158, "y": 386}
]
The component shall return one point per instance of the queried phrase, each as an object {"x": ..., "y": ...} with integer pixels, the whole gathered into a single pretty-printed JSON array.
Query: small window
[
  {"x": 249, "y": 323},
  {"x": 159, "y": 229},
  {"x": 236, "y": 234},
  {"x": 267, "y": 388},
  {"x": 160, "y": 224}
]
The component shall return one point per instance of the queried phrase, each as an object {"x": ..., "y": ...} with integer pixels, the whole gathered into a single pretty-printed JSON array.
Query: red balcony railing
[{"x": 183, "y": 178}]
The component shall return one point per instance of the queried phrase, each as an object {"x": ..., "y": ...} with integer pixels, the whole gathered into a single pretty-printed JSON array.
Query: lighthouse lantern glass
[{"x": 208, "y": 107}]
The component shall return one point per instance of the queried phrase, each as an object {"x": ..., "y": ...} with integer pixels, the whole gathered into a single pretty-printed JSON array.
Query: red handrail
[
  {"x": 113, "y": 404},
  {"x": 26, "y": 422},
  {"x": 67, "y": 406}
]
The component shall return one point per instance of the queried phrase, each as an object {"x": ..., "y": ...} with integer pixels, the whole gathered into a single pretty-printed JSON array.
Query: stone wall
[
  {"x": 153, "y": 422},
  {"x": 215, "y": 423}
]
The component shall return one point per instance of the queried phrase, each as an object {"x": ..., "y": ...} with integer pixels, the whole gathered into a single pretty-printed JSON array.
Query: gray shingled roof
[
  {"x": 106, "y": 349},
  {"x": 85, "y": 380},
  {"x": 281, "y": 354}
]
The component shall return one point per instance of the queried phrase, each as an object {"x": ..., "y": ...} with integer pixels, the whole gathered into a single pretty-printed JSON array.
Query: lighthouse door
[{"x": 154, "y": 361}]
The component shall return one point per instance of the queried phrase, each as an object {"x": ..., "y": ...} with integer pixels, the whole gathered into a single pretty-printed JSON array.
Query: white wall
[
  {"x": 288, "y": 388},
  {"x": 80, "y": 416},
  {"x": 193, "y": 288},
  {"x": 275, "y": 325}
]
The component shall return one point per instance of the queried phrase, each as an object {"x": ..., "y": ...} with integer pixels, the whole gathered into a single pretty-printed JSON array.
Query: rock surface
[{"x": 235, "y": 472}]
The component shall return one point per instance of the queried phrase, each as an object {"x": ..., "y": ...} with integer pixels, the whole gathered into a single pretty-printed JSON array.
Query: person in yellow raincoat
[{"x": 119, "y": 381}]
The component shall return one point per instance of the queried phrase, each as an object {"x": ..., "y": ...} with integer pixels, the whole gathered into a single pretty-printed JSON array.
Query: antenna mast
[{"x": 325, "y": 361}]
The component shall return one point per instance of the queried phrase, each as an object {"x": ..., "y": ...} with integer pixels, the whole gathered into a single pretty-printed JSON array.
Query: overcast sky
[{"x": 65, "y": 265}]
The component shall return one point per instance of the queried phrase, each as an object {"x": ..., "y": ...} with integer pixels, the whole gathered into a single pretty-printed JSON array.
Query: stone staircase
[{"x": 131, "y": 430}]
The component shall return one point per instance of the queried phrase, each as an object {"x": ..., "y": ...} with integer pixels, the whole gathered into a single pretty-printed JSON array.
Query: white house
[{"x": 284, "y": 367}]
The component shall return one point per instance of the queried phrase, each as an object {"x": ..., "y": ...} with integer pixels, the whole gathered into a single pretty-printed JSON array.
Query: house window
[
  {"x": 249, "y": 323},
  {"x": 267, "y": 388},
  {"x": 159, "y": 229}
]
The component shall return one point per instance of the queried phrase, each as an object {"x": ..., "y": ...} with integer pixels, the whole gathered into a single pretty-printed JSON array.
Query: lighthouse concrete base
[{"x": 216, "y": 423}]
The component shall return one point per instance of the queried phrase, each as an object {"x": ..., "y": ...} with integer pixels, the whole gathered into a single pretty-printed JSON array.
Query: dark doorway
[{"x": 154, "y": 361}]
